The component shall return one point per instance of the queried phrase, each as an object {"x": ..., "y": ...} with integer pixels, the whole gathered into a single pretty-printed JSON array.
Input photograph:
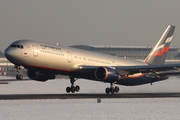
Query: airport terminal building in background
[
  {"x": 5, "y": 66},
  {"x": 131, "y": 52}
]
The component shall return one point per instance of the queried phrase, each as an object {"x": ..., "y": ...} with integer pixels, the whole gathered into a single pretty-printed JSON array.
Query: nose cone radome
[{"x": 9, "y": 54}]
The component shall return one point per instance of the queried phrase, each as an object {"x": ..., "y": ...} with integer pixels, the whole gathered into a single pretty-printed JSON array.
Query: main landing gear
[
  {"x": 76, "y": 88},
  {"x": 73, "y": 88},
  {"x": 19, "y": 76},
  {"x": 112, "y": 89}
]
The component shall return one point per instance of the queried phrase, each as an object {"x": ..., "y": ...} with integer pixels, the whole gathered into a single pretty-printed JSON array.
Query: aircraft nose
[{"x": 8, "y": 53}]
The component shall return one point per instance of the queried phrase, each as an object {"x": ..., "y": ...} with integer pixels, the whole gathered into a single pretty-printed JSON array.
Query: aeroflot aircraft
[{"x": 44, "y": 62}]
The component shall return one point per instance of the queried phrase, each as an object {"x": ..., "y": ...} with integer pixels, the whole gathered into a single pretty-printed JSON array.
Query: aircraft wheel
[
  {"x": 107, "y": 90},
  {"x": 68, "y": 89},
  {"x": 20, "y": 77},
  {"x": 77, "y": 88},
  {"x": 112, "y": 90},
  {"x": 73, "y": 89},
  {"x": 116, "y": 89},
  {"x": 17, "y": 77}
]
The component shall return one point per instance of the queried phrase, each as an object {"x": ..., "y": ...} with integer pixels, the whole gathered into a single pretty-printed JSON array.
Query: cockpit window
[
  {"x": 13, "y": 45},
  {"x": 17, "y": 46}
]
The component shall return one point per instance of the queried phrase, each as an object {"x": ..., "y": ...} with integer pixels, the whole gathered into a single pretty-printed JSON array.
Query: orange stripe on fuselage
[{"x": 46, "y": 68}]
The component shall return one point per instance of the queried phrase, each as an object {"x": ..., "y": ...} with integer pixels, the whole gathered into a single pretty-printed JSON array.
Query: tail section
[{"x": 158, "y": 53}]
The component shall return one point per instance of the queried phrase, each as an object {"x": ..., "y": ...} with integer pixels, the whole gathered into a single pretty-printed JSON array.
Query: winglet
[{"x": 158, "y": 53}]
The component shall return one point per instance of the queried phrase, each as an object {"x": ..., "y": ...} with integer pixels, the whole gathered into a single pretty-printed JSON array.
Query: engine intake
[
  {"x": 39, "y": 76},
  {"x": 107, "y": 74}
]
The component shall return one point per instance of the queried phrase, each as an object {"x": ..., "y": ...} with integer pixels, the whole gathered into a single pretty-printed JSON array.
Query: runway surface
[
  {"x": 86, "y": 96},
  {"x": 14, "y": 90}
]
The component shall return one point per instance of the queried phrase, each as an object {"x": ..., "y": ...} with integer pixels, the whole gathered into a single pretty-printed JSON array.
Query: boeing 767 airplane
[{"x": 44, "y": 61}]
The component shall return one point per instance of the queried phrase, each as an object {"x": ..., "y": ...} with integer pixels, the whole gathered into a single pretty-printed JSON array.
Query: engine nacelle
[
  {"x": 107, "y": 74},
  {"x": 38, "y": 76}
]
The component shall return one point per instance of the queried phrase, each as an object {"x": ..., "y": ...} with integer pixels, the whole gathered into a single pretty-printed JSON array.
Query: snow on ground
[{"x": 89, "y": 109}]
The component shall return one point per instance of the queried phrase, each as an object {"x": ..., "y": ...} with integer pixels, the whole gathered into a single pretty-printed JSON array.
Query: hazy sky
[{"x": 89, "y": 22}]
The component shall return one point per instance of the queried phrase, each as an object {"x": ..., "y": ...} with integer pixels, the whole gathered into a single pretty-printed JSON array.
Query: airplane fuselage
[{"x": 67, "y": 61}]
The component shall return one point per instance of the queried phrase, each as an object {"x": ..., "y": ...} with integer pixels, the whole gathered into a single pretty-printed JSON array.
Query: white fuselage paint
[{"x": 66, "y": 58}]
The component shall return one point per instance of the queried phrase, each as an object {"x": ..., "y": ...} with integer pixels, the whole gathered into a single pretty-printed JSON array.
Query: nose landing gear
[
  {"x": 19, "y": 77},
  {"x": 18, "y": 68}
]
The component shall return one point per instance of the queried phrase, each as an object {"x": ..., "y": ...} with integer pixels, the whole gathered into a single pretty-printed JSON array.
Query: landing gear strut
[
  {"x": 73, "y": 88},
  {"x": 19, "y": 76},
  {"x": 112, "y": 89}
]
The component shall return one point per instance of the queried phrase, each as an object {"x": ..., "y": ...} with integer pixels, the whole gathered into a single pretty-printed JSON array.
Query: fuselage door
[
  {"x": 69, "y": 59},
  {"x": 35, "y": 50}
]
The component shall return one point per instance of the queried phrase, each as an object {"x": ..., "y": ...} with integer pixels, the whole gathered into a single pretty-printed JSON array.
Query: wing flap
[
  {"x": 130, "y": 70},
  {"x": 148, "y": 68},
  {"x": 169, "y": 73}
]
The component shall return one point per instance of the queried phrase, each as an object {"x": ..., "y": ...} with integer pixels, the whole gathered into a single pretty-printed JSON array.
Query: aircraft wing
[
  {"x": 148, "y": 68},
  {"x": 130, "y": 70}
]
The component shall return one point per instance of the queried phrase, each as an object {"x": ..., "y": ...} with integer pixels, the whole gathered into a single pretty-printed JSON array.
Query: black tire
[
  {"x": 77, "y": 88},
  {"x": 20, "y": 77},
  {"x": 107, "y": 90},
  {"x": 112, "y": 90},
  {"x": 116, "y": 89},
  {"x": 68, "y": 89},
  {"x": 73, "y": 89},
  {"x": 17, "y": 77}
]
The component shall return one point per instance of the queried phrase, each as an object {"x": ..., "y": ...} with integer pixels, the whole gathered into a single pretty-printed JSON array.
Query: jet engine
[
  {"x": 107, "y": 74},
  {"x": 39, "y": 76}
]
